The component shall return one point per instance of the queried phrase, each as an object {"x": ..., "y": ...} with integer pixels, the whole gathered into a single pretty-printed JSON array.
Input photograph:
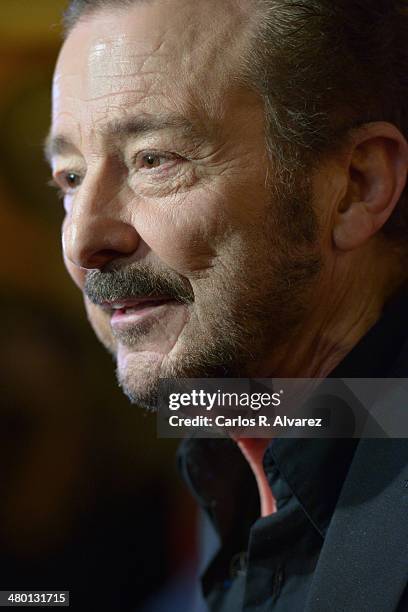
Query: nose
[{"x": 95, "y": 231}]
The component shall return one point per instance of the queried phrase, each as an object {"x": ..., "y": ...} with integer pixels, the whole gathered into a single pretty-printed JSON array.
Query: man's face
[{"x": 190, "y": 266}]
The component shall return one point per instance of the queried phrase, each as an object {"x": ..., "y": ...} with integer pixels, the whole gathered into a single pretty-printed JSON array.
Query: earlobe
[
  {"x": 377, "y": 166},
  {"x": 355, "y": 226}
]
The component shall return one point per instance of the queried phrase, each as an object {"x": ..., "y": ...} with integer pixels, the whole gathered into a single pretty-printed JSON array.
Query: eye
[
  {"x": 72, "y": 180},
  {"x": 151, "y": 160},
  {"x": 66, "y": 182}
]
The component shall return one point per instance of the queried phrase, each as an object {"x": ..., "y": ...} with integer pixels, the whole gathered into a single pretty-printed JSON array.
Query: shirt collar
[
  {"x": 313, "y": 470},
  {"x": 220, "y": 479}
]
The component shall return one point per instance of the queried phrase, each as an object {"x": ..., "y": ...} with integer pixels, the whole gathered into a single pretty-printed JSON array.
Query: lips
[
  {"x": 130, "y": 312},
  {"x": 130, "y": 306}
]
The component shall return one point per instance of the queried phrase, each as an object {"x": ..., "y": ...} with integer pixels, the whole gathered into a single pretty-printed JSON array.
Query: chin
[{"x": 139, "y": 374}]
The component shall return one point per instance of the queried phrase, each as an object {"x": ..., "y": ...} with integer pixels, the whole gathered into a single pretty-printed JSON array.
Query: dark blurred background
[{"x": 90, "y": 499}]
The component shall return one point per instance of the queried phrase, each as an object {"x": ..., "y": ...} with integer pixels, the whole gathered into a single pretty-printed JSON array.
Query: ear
[{"x": 377, "y": 165}]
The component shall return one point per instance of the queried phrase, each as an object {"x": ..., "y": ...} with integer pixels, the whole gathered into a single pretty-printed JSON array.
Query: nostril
[
  {"x": 102, "y": 257},
  {"x": 108, "y": 254}
]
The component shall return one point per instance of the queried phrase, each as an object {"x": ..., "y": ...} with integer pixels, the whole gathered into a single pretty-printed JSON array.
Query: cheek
[{"x": 186, "y": 234}]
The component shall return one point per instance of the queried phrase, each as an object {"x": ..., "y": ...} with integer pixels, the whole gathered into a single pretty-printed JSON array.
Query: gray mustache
[{"x": 135, "y": 282}]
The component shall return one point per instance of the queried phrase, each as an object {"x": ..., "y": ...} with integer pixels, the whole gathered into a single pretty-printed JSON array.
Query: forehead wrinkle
[{"x": 121, "y": 65}]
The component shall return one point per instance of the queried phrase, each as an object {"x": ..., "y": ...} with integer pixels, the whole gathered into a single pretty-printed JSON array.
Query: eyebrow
[
  {"x": 127, "y": 127},
  {"x": 56, "y": 145}
]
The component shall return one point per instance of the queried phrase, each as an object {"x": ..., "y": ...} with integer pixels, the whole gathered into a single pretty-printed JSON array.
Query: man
[{"x": 234, "y": 181}]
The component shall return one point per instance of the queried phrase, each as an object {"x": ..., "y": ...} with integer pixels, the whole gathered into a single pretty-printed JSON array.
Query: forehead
[{"x": 156, "y": 56}]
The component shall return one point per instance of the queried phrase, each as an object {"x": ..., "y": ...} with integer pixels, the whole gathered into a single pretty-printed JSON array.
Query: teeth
[{"x": 118, "y": 306}]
